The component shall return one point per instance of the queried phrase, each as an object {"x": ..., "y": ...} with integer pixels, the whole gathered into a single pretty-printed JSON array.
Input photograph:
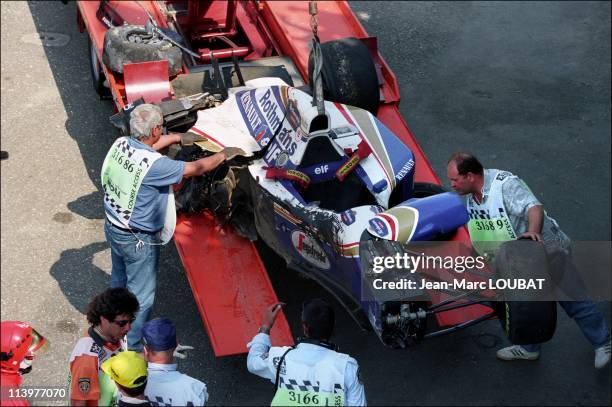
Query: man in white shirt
[
  {"x": 311, "y": 373},
  {"x": 167, "y": 386},
  {"x": 498, "y": 197}
]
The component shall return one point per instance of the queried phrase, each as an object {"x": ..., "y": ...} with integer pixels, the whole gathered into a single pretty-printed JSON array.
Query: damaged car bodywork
[
  {"x": 333, "y": 179},
  {"x": 319, "y": 187}
]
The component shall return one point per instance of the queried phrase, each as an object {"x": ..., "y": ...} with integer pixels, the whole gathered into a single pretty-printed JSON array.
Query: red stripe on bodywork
[
  {"x": 346, "y": 116},
  {"x": 201, "y": 133},
  {"x": 390, "y": 222},
  {"x": 363, "y": 139}
]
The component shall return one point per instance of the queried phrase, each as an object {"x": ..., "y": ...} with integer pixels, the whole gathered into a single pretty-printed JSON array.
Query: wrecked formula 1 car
[
  {"x": 319, "y": 189},
  {"x": 333, "y": 177}
]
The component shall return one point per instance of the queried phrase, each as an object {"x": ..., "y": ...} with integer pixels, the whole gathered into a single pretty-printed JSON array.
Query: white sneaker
[
  {"x": 602, "y": 356},
  {"x": 516, "y": 352}
]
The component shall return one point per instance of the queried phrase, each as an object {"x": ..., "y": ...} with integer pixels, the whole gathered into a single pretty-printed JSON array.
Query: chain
[
  {"x": 317, "y": 80},
  {"x": 312, "y": 9}
]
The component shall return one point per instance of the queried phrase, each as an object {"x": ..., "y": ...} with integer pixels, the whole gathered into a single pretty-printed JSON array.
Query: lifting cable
[{"x": 317, "y": 56}]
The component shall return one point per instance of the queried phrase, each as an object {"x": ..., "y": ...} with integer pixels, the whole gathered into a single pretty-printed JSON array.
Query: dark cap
[
  {"x": 319, "y": 317},
  {"x": 159, "y": 334}
]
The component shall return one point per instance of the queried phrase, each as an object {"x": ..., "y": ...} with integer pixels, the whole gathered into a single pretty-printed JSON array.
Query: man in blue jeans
[
  {"x": 500, "y": 196},
  {"x": 138, "y": 203}
]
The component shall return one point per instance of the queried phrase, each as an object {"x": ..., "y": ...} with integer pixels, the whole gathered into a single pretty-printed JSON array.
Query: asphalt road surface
[{"x": 525, "y": 86}]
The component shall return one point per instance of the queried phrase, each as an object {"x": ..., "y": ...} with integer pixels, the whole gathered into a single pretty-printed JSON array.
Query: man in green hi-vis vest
[
  {"x": 313, "y": 373},
  {"x": 503, "y": 208},
  {"x": 139, "y": 203}
]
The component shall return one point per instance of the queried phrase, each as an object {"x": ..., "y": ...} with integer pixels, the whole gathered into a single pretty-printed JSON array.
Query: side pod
[{"x": 420, "y": 219}]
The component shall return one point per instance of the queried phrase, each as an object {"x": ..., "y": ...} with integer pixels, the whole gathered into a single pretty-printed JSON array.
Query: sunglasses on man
[{"x": 124, "y": 322}]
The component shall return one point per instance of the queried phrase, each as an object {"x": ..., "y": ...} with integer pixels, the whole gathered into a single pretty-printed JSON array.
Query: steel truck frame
[{"x": 227, "y": 277}]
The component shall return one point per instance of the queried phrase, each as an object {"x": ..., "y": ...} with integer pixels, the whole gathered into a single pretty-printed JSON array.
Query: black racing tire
[
  {"x": 349, "y": 74},
  {"x": 119, "y": 50},
  {"x": 97, "y": 73},
  {"x": 525, "y": 322}
]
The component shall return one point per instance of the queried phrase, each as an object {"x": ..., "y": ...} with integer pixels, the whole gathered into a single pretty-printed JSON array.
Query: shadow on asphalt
[
  {"x": 69, "y": 66},
  {"x": 75, "y": 266},
  {"x": 86, "y": 126}
]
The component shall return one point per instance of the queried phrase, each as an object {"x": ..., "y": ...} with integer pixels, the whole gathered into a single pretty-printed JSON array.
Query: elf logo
[
  {"x": 322, "y": 169},
  {"x": 309, "y": 249}
]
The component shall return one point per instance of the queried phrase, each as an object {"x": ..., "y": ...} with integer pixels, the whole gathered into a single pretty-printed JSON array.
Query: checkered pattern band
[
  {"x": 122, "y": 214},
  {"x": 483, "y": 213},
  {"x": 305, "y": 385},
  {"x": 159, "y": 401},
  {"x": 130, "y": 151}
]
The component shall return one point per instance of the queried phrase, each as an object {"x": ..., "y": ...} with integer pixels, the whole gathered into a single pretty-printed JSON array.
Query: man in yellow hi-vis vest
[
  {"x": 503, "y": 208},
  {"x": 313, "y": 373},
  {"x": 139, "y": 203}
]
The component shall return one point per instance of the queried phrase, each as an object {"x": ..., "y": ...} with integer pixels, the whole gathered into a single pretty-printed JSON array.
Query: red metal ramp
[{"x": 229, "y": 283}]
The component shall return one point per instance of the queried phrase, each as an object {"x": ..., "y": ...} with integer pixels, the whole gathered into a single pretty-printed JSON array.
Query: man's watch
[{"x": 264, "y": 330}]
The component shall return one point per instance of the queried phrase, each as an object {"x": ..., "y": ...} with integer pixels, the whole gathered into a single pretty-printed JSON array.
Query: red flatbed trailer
[{"x": 230, "y": 284}]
